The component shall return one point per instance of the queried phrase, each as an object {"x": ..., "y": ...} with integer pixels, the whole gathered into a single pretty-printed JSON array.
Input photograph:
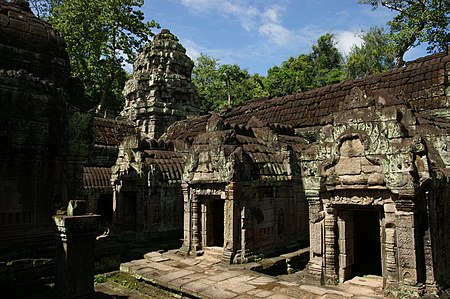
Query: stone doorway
[
  {"x": 105, "y": 208},
  {"x": 367, "y": 243},
  {"x": 359, "y": 243},
  {"x": 213, "y": 221},
  {"x": 129, "y": 208}
]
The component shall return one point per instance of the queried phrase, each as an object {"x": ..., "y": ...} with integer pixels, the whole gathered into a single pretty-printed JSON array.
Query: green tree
[
  {"x": 294, "y": 75},
  {"x": 204, "y": 77},
  {"x": 101, "y": 36},
  {"x": 327, "y": 61},
  {"x": 324, "y": 65},
  {"x": 375, "y": 55},
  {"x": 231, "y": 75},
  {"x": 416, "y": 22},
  {"x": 220, "y": 86}
]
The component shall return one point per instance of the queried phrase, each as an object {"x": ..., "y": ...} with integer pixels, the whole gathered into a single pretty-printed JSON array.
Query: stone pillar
[
  {"x": 187, "y": 227},
  {"x": 316, "y": 216},
  {"x": 406, "y": 248},
  {"x": 204, "y": 210},
  {"x": 345, "y": 225},
  {"x": 195, "y": 246},
  {"x": 231, "y": 229},
  {"x": 428, "y": 246},
  {"x": 244, "y": 236},
  {"x": 75, "y": 254},
  {"x": 390, "y": 274},
  {"x": 330, "y": 247}
]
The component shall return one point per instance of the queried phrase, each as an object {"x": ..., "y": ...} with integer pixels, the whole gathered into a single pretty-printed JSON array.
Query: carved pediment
[{"x": 352, "y": 169}]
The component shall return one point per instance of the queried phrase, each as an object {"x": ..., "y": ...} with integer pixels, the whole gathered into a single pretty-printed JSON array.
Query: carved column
[
  {"x": 196, "y": 229},
  {"x": 330, "y": 246},
  {"x": 346, "y": 243},
  {"x": 316, "y": 216},
  {"x": 187, "y": 227},
  {"x": 428, "y": 246},
  {"x": 407, "y": 247},
  {"x": 203, "y": 208},
  {"x": 231, "y": 229},
  {"x": 243, "y": 233},
  {"x": 389, "y": 245}
]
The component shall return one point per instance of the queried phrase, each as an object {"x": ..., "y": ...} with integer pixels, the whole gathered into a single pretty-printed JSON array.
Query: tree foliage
[
  {"x": 294, "y": 75},
  {"x": 327, "y": 61},
  {"x": 101, "y": 36},
  {"x": 324, "y": 65},
  {"x": 220, "y": 86},
  {"x": 375, "y": 55},
  {"x": 417, "y": 21}
]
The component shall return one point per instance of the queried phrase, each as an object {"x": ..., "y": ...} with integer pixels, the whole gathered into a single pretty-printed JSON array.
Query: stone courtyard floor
[{"x": 206, "y": 277}]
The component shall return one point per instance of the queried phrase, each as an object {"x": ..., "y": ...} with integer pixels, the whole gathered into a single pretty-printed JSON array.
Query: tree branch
[{"x": 391, "y": 7}]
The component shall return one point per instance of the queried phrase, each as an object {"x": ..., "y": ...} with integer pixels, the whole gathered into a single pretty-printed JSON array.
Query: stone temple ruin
[
  {"x": 357, "y": 171},
  {"x": 43, "y": 142}
]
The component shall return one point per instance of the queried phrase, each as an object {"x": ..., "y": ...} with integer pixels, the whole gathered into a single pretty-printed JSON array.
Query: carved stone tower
[{"x": 160, "y": 91}]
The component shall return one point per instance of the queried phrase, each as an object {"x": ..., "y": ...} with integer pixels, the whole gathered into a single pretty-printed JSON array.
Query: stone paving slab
[
  {"x": 217, "y": 293},
  {"x": 162, "y": 267},
  {"x": 205, "y": 277},
  {"x": 174, "y": 275}
]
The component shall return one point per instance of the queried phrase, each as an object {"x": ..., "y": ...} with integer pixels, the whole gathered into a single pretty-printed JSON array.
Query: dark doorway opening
[
  {"x": 215, "y": 222},
  {"x": 105, "y": 208},
  {"x": 367, "y": 250},
  {"x": 129, "y": 208}
]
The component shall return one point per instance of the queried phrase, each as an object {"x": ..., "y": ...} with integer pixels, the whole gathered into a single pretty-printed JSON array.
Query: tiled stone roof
[
  {"x": 170, "y": 164},
  {"x": 421, "y": 84},
  {"x": 111, "y": 132},
  {"x": 96, "y": 177}
]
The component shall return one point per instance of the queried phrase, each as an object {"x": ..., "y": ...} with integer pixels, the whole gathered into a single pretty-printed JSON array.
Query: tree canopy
[
  {"x": 375, "y": 55},
  {"x": 220, "y": 86},
  {"x": 101, "y": 35},
  {"x": 324, "y": 65},
  {"x": 417, "y": 21}
]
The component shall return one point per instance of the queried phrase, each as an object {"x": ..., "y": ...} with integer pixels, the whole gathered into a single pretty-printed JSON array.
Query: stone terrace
[{"x": 206, "y": 277}]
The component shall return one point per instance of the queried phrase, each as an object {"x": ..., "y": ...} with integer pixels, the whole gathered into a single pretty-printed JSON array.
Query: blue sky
[{"x": 259, "y": 34}]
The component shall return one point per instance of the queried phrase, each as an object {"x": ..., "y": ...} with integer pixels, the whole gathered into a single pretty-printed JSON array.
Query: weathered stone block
[
  {"x": 348, "y": 166},
  {"x": 375, "y": 179}
]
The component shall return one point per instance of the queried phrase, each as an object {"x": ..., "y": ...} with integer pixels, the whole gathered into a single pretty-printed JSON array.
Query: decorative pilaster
[
  {"x": 231, "y": 229},
  {"x": 195, "y": 246},
  {"x": 330, "y": 271},
  {"x": 316, "y": 228},
  {"x": 187, "y": 227}
]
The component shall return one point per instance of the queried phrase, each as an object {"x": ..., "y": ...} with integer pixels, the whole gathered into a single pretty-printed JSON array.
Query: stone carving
[{"x": 160, "y": 91}]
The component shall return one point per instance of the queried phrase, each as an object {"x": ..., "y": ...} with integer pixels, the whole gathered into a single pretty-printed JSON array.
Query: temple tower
[{"x": 160, "y": 90}]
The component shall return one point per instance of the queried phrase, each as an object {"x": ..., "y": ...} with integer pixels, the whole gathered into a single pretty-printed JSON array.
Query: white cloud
[
  {"x": 346, "y": 40},
  {"x": 276, "y": 33},
  {"x": 273, "y": 13},
  {"x": 251, "y": 15},
  {"x": 199, "y": 5},
  {"x": 193, "y": 50}
]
